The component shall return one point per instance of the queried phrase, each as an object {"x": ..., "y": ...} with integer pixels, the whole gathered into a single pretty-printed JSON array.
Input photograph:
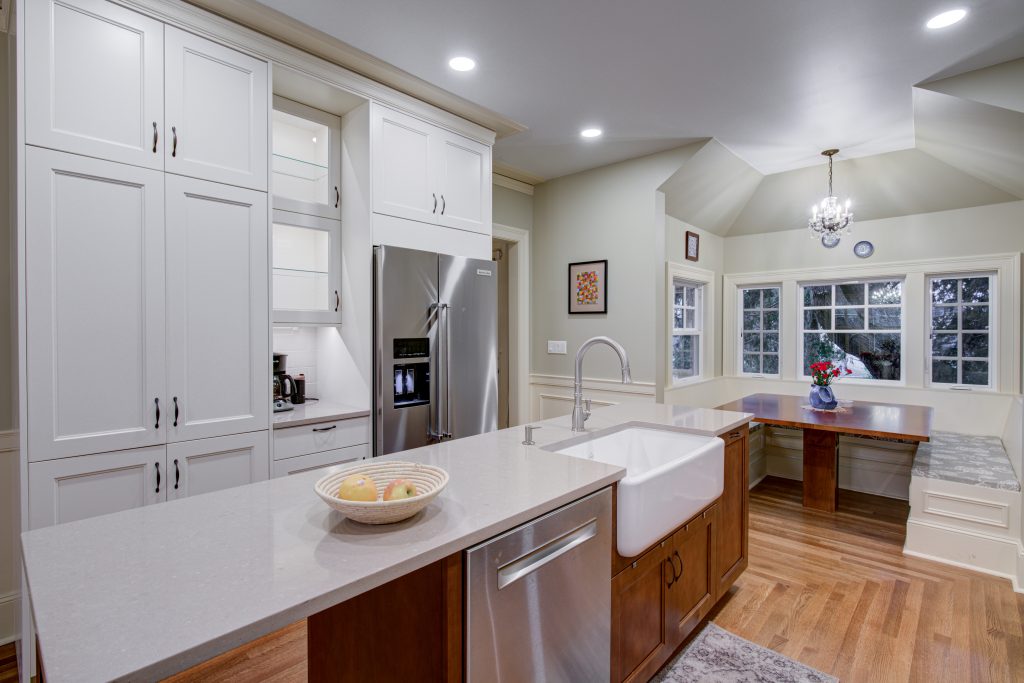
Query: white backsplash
[{"x": 300, "y": 343}]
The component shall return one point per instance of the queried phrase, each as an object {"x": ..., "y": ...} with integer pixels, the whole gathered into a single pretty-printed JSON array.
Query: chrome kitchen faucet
[{"x": 581, "y": 408}]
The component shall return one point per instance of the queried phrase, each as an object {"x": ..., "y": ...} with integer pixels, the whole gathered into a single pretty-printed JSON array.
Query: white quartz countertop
[
  {"x": 144, "y": 593},
  {"x": 313, "y": 412}
]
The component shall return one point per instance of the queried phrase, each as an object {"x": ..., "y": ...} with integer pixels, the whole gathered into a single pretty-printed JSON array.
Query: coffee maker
[{"x": 284, "y": 385}]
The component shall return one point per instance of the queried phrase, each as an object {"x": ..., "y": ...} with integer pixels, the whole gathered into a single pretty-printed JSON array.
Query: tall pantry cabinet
[{"x": 146, "y": 261}]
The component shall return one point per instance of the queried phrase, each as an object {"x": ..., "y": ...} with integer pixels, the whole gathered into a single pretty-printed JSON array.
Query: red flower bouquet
[{"x": 823, "y": 373}]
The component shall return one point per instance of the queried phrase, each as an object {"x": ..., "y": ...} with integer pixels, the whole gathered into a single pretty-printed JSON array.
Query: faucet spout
[{"x": 580, "y": 413}]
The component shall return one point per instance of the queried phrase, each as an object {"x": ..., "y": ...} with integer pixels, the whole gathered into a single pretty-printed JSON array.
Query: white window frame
[
  {"x": 901, "y": 381},
  {"x": 704, "y": 281},
  {"x": 740, "y": 310},
  {"x": 992, "y": 332}
]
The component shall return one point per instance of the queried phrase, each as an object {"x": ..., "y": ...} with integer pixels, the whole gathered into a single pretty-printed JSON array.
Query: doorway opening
[{"x": 511, "y": 253}]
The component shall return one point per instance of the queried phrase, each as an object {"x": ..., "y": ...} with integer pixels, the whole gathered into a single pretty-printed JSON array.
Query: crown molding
[
  {"x": 511, "y": 183},
  {"x": 294, "y": 33},
  {"x": 517, "y": 174}
]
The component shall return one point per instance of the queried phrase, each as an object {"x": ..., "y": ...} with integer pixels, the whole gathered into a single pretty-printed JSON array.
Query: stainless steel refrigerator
[{"x": 435, "y": 348}]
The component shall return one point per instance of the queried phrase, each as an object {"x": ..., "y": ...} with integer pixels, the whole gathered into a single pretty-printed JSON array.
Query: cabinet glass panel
[
  {"x": 301, "y": 267},
  {"x": 301, "y": 159}
]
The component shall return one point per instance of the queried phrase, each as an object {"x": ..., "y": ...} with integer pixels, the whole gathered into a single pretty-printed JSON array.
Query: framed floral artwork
[{"x": 588, "y": 287}]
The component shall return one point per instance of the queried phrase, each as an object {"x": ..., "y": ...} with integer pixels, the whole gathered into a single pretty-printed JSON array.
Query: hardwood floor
[
  {"x": 832, "y": 590},
  {"x": 8, "y": 664}
]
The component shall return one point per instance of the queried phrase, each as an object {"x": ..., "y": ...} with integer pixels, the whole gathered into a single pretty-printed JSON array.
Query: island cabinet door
[
  {"x": 641, "y": 640},
  {"x": 691, "y": 553},
  {"x": 733, "y": 510},
  {"x": 208, "y": 465}
]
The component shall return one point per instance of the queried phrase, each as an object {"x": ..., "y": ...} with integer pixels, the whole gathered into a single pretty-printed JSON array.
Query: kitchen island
[{"x": 145, "y": 593}]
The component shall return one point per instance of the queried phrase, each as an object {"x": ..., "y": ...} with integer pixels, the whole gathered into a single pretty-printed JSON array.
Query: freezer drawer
[{"x": 538, "y": 598}]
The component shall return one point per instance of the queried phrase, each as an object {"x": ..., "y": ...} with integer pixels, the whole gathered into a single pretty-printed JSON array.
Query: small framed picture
[
  {"x": 588, "y": 287},
  {"x": 692, "y": 246}
]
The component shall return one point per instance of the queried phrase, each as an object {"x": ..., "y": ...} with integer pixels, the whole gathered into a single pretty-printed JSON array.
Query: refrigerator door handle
[
  {"x": 447, "y": 434},
  {"x": 434, "y": 416}
]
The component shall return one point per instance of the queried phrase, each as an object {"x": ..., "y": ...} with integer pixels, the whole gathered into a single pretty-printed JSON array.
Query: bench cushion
[{"x": 968, "y": 459}]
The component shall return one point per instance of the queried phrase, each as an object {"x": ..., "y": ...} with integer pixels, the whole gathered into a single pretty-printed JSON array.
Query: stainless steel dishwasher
[{"x": 538, "y": 598}]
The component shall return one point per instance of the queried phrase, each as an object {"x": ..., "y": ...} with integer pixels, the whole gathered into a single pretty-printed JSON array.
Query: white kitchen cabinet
[
  {"x": 316, "y": 461},
  {"x": 218, "y": 355},
  {"x": 94, "y": 80},
  {"x": 425, "y": 173},
  {"x": 464, "y": 178},
  {"x": 403, "y": 168},
  {"x": 95, "y": 295},
  {"x": 306, "y": 269},
  {"x": 291, "y": 442},
  {"x": 216, "y": 111},
  {"x": 306, "y": 160},
  {"x": 70, "y": 489},
  {"x": 206, "y": 465}
]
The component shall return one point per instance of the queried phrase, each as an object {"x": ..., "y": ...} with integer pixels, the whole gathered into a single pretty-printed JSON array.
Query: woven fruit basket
[{"x": 428, "y": 480}]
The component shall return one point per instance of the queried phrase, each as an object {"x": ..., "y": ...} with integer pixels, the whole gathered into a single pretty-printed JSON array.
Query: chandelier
[{"x": 829, "y": 217}]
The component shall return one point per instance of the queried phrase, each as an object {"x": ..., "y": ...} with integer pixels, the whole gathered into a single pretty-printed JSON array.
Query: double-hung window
[
  {"x": 687, "y": 329},
  {"x": 759, "y": 331},
  {"x": 858, "y": 325},
  {"x": 960, "y": 330}
]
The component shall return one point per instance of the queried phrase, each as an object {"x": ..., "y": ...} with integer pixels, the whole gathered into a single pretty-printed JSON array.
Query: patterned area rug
[{"x": 717, "y": 656}]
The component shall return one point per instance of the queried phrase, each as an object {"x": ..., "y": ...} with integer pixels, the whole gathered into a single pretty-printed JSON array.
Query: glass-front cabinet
[
  {"x": 306, "y": 269},
  {"x": 306, "y": 159}
]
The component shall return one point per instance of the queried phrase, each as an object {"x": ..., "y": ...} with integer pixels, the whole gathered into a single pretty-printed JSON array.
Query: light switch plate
[{"x": 556, "y": 347}]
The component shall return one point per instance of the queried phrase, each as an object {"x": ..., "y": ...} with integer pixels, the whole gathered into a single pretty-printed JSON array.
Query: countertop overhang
[{"x": 148, "y": 592}]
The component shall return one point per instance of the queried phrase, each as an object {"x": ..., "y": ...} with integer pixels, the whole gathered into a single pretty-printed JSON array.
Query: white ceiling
[{"x": 774, "y": 82}]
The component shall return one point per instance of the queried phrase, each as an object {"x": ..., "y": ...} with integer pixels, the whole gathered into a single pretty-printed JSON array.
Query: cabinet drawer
[
  {"x": 315, "y": 461},
  {"x": 291, "y": 442}
]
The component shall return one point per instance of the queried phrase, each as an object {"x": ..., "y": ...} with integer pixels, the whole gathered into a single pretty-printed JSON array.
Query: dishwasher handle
[{"x": 531, "y": 562}]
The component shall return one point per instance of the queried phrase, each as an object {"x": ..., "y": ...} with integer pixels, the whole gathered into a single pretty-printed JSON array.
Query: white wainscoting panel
[
  {"x": 551, "y": 395},
  {"x": 865, "y": 465}
]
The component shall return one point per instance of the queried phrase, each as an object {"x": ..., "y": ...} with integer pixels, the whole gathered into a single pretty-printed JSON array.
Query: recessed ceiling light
[
  {"x": 946, "y": 18},
  {"x": 591, "y": 132},
  {"x": 462, "y": 63}
]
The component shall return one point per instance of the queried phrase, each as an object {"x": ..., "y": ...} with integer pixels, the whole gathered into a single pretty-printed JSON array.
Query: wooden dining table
[{"x": 822, "y": 429}]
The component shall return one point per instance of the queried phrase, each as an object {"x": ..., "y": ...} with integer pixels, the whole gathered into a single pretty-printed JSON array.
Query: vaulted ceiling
[{"x": 968, "y": 150}]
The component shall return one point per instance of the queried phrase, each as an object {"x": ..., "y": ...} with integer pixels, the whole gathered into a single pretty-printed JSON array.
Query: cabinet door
[
  {"x": 694, "y": 584},
  {"x": 206, "y": 465},
  {"x": 94, "y": 80},
  {"x": 404, "y": 183},
  {"x": 217, "y": 112},
  {"x": 306, "y": 159},
  {"x": 94, "y": 278},
  {"x": 70, "y": 489},
  {"x": 732, "y": 532},
  {"x": 464, "y": 178},
  {"x": 306, "y": 269},
  {"x": 218, "y": 351},
  {"x": 641, "y": 641}
]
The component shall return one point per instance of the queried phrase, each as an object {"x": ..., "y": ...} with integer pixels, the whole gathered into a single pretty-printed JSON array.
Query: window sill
[{"x": 680, "y": 383}]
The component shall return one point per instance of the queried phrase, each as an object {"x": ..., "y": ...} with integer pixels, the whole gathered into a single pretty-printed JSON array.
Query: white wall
[
  {"x": 511, "y": 208},
  {"x": 606, "y": 213}
]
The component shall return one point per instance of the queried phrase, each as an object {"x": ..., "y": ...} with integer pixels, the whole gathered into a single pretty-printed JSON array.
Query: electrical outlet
[{"x": 556, "y": 347}]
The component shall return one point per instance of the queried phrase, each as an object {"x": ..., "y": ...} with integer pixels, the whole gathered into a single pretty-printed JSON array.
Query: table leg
[{"x": 821, "y": 477}]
